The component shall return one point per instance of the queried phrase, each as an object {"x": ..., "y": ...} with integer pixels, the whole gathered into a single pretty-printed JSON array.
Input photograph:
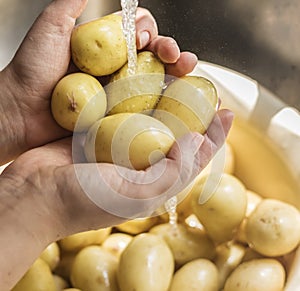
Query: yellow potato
[
  {"x": 37, "y": 278},
  {"x": 257, "y": 275},
  {"x": 219, "y": 202},
  {"x": 228, "y": 257},
  {"x": 78, "y": 100},
  {"x": 137, "y": 225},
  {"x": 77, "y": 241},
  {"x": 60, "y": 282},
  {"x": 273, "y": 228},
  {"x": 197, "y": 275},
  {"x": 132, "y": 140},
  {"x": 98, "y": 47},
  {"x": 64, "y": 266},
  {"x": 139, "y": 92},
  {"x": 116, "y": 243},
  {"x": 188, "y": 104},
  {"x": 253, "y": 199},
  {"x": 51, "y": 255},
  {"x": 146, "y": 264},
  {"x": 186, "y": 243},
  {"x": 94, "y": 269}
]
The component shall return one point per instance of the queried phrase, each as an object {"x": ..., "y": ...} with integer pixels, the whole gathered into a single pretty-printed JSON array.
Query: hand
[{"x": 43, "y": 58}]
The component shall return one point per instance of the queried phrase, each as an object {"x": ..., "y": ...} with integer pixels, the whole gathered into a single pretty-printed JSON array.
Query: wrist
[{"x": 11, "y": 121}]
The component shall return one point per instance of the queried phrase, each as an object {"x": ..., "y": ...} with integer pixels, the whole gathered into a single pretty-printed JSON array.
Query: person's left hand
[{"x": 44, "y": 58}]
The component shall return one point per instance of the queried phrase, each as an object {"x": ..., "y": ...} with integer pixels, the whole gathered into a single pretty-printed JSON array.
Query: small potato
[
  {"x": 94, "y": 269},
  {"x": 51, "y": 255},
  {"x": 77, "y": 241},
  {"x": 116, "y": 243},
  {"x": 60, "y": 282},
  {"x": 146, "y": 264},
  {"x": 139, "y": 92},
  {"x": 253, "y": 199},
  {"x": 197, "y": 275},
  {"x": 257, "y": 275},
  {"x": 131, "y": 140},
  {"x": 228, "y": 257},
  {"x": 273, "y": 228},
  {"x": 137, "y": 225},
  {"x": 64, "y": 266},
  {"x": 219, "y": 202},
  {"x": 188, "y": 104},
  {"x": 37, "y": 278},
  {"x": 98, "y": 47},
  {"x": 78, "y": 100},
  {"x": 186, "y": 243}
]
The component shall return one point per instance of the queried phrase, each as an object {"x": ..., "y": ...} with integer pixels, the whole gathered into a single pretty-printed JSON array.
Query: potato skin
[
  {"x": 137, "y": 93},
  {"x": 129, "y": 140},
  {"x": 98, "y": 47},
  {"x": 78, "y": 100}
]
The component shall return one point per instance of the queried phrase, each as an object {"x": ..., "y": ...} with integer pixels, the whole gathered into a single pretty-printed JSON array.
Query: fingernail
[{"x": 143, "y": 39}]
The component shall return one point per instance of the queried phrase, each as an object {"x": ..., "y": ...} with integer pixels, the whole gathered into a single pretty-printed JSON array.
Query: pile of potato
[{"x": 224, "y": 237}]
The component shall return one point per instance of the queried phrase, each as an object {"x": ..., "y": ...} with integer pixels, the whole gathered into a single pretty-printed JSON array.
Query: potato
[
  {"x": 188, "y": 104},
  {"x": 37, "y": 278},
  {"x": 197, "y": 275},
  {"x": 228, "y": 257},
  {"x": 98, "y": 47},
  {"x": 257, "y": 275},
  {"x": 253, "y": 199},
  {"x": 219, "y": 202},
  {"x": 137, "y": 225},
  {"x": 137, "y": 93},
  {"x": 131, "y": 140},
  {"x": 77, "y": 241},
  {"x": 60, "y": 282},
  {"x": 64, "y": 266},
  {"x": 146, "y": 264},
  {"x": 186, "y": 243},
  {"x": 116, "y": 243},
  {"x": 94, "y": 269},
  {"x": 273, "y": 228},
  {"x": 51, "y": 255},
  {"x": 78, "y": 100}
]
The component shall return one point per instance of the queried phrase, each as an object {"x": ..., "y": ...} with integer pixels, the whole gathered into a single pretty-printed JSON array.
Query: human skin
[{"x": 41, "y": 200}]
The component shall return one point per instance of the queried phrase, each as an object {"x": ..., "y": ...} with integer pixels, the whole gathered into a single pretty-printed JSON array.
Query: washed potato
[
  {"x": 77, "y": 241},
  {"x": 78, "y": 100},
  {"x": 219, "y": 202},
  {"x": 253, "y": 199},
  {"x": 139, "y": 92},
  {"x": 186, "y": 243},
  {"x": 94, "y": 269},
  {"x": 98, "y": 47},
  {"x": 51, "y": 255},
  {"x": 146, "y": 264},
  {"x": 228, "y": 256},
  {"x": 137, "y": 225},
  {"x": 116, "y": 243},
  {"x": 273, "y": 228},
  {"x": 257, "y": 275},
  {"x": 37, "y": 278},
  {"x": 60, "y": 282},
  {"x": 132, "y": 140},
  {"x": 197, "y": 275},
  {"x": 188, "y": 104},
  {"x": 63, "y": 269}
]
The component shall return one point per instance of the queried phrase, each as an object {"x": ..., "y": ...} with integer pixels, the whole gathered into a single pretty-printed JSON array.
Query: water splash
[{"x": 129, "y": 8}]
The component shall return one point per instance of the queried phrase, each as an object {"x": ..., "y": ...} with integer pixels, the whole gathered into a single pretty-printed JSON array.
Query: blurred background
[{"x": 259, "y": 38}]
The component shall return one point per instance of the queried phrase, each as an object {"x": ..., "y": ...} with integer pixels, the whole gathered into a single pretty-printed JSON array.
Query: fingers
[
  {"x": 184, "y": 65},
  {"x": 215, "y": 136}
]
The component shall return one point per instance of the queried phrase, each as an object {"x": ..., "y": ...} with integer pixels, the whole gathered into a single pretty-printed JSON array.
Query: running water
[
  {"x": 170, "y": 207},
  {"x": 129, "y": 8}
]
